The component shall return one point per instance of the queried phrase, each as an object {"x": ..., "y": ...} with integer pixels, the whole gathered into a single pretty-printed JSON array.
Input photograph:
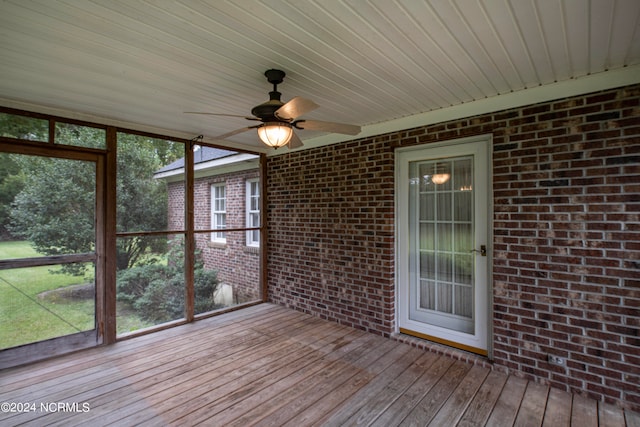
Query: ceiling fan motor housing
[{"x": 266, "y": 111}]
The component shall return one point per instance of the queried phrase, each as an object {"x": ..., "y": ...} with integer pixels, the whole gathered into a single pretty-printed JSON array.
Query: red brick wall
[
  {"x": 237, "y": 264},
  {"x": 566, "y": 258},
  {"x": 330, "y": 219},
  {"x": 175, "y": 205}
]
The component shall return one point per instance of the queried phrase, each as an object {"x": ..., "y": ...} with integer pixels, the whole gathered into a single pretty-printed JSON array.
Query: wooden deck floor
[{"x": 267, "y": 365}]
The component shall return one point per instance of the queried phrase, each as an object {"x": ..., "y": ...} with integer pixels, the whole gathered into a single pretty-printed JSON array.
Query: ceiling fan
[{"x": 279, "y": 118}]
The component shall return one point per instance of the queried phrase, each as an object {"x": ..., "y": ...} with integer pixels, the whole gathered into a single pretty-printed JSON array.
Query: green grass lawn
[
  {"x": 25, "y": 315},
  {"x": 29, "y": 312},
  {"x": 17, "y": 249}
]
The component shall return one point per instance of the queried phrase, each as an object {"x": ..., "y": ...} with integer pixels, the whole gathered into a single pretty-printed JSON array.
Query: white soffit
[
  {"x": 384, "y": 65},
  {"x": 587, "y": 84}
]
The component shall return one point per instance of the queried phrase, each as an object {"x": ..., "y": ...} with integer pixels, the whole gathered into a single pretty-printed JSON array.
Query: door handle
[{"x": 482, "y": 251}]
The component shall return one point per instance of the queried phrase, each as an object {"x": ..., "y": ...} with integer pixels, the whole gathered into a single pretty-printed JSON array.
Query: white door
[{"x": 442, "y": 213}]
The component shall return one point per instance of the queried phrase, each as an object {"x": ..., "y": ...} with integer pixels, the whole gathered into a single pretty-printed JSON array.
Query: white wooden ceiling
[{"x": 364, "y": 62}]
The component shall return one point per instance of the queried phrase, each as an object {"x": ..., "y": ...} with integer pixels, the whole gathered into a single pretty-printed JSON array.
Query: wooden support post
[
  {"x": 263, "y": 227},
  {"x": 110, "y": 249},
  {"x": 190, "y": 243}
]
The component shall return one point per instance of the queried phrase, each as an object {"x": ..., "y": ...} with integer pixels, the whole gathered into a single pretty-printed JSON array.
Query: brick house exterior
[
  {"x": 566, "y": 236},
  {"x": 237, "y": 264}
]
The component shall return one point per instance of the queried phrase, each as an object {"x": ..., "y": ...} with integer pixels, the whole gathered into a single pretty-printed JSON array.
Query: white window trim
[
  {"x": 248, "y": 211},
  {"x": 217, "y": 236}
]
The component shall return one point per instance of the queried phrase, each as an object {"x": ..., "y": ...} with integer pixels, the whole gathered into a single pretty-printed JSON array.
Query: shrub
[
  {"x": 206, "y": 284},
  {"x": 156, "y": 292}
]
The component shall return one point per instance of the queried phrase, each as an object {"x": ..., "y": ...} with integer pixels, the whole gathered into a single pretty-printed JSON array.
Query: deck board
[
  {"x": 533, "y": 405},
  {"x": 268, "y": 365},
  {"x": 506, "y": 409},
  {"x": 372, "y": 401},
  {"x": 558, "y": 411},
  {"x": 485, "y": 399},
  {"x": 405, "y": 403},
  {"x": 454, "y": 408},
  {"x": 610, "y": 416},
  {"x": 432, "y": 402},
  {"x": 584, "y": 412}
]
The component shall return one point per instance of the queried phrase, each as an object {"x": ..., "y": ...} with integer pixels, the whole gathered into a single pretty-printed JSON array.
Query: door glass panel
[
  {"x": 462, "y": 177},
  {"x": 441, "y": 229},
  {"x": 445, "y": 302},
  {"x": 427, "y": 200},
  {"x": 463, "y": 240},
  {"x": 427, "y": 265},
  {"x": 444, "y": 237},
  {"x": 463, "y": 264},
  {"x": 444, "y": 271},
  {"x": 428, "y": 294},
  {"x": 463, "y": 298},
  {"x": 462, "y": 205},
  {"x": 443, "y": 203},
  {"x": 427, "y": 237}
]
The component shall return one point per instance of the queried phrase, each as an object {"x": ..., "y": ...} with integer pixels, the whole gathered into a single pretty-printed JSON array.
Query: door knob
[{"x": 482, "y": 251}]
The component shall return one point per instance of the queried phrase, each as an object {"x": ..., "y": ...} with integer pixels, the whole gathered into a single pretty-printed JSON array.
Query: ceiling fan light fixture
[{"x": 275, "y": 134}]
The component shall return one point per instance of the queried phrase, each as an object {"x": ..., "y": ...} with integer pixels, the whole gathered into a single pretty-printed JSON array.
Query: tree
[{"x": 11, "y": 183}]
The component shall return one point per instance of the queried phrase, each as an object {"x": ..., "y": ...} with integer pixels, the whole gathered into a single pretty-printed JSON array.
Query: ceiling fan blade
[
  {"x": 223, "y": 115},
  {"x": 295, "y": 108},
  {"x": 327, "y": 126},
  {"x": 235, "y": 132},
  {"x": 294, "y": 142}
]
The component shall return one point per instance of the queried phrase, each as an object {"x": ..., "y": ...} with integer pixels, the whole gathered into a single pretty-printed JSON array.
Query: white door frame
[{"x": 480, "y": 341}]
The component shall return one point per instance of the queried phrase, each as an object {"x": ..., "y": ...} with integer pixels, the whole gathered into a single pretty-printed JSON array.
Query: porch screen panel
[
  {"x": 227, "y": 211},
  {"x": 225, "y": 275},
  {"x": 24, "y": 127},
  {"x": 150, "y": 225},
  {"x": 80, "y": 136},
  {"x": 151, "y": 290},
  {"x": 47, "y": 248}
]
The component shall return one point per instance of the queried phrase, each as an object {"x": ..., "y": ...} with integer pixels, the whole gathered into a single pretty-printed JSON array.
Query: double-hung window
[
  {"x": 253, "y": 211},
  {"x": 218, "y": 212}
]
